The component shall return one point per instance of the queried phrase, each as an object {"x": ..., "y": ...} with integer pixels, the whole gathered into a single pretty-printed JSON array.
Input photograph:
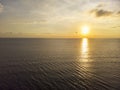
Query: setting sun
[{"x": 85, "y": 30}]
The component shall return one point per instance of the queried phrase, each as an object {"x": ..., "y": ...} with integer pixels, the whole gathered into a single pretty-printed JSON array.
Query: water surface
[{"x": 59, "y": 64}]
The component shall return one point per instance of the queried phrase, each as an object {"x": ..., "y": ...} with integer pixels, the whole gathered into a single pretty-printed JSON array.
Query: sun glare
[{"x": 85, "y": 30}]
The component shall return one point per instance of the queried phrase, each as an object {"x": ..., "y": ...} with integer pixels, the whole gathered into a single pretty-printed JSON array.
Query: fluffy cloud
[
  {"x": 101, "y": 12},
  {"x": 1, "y": 7}
]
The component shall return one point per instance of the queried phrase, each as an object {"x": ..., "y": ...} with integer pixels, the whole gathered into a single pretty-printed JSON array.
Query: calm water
[{"x": 59, "y": 64}]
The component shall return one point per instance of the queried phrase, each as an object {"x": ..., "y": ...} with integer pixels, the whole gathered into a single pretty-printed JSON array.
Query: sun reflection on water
[
  {"x": 84, "y": 49},
  {"x": 85, "y": 66}
]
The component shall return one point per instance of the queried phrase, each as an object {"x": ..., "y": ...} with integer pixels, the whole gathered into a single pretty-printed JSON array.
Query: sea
[{"x": 59, "y": 64}]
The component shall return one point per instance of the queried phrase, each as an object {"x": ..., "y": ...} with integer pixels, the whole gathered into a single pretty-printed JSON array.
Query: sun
[{"x": 85, "y": 30}]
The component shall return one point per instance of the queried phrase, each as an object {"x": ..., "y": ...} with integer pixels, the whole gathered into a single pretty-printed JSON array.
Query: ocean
[{"x": 59, "y": 64}]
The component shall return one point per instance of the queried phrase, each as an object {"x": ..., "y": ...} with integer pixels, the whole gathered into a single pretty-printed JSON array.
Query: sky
[{"x": 59, "y": 18}]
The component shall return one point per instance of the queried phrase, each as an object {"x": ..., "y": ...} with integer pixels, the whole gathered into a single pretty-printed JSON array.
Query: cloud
[
  {"x": 101, "y": 12},
  {"x": 100, "y": 5},
  {"x": 31, "y": 23},
  {"x": 1, "y": 7},
  {"x": 116, "y": 27},
  {"x": 118, "y": 12}
]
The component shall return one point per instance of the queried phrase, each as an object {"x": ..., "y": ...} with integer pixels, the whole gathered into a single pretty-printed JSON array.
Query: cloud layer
[{"x": 1, "y": 7}]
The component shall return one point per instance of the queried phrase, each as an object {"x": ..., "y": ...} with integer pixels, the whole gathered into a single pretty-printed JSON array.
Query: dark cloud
[
  {"x": 101, "y": 12},
  {"x": 118, "y": 12}
]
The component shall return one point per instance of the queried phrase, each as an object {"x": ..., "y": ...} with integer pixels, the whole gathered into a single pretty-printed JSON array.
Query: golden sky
[{"x": 59, "y": 18}]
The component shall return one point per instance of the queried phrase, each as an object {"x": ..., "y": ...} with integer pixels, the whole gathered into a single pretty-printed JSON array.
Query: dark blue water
[{"x": 59, "y": 64}]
